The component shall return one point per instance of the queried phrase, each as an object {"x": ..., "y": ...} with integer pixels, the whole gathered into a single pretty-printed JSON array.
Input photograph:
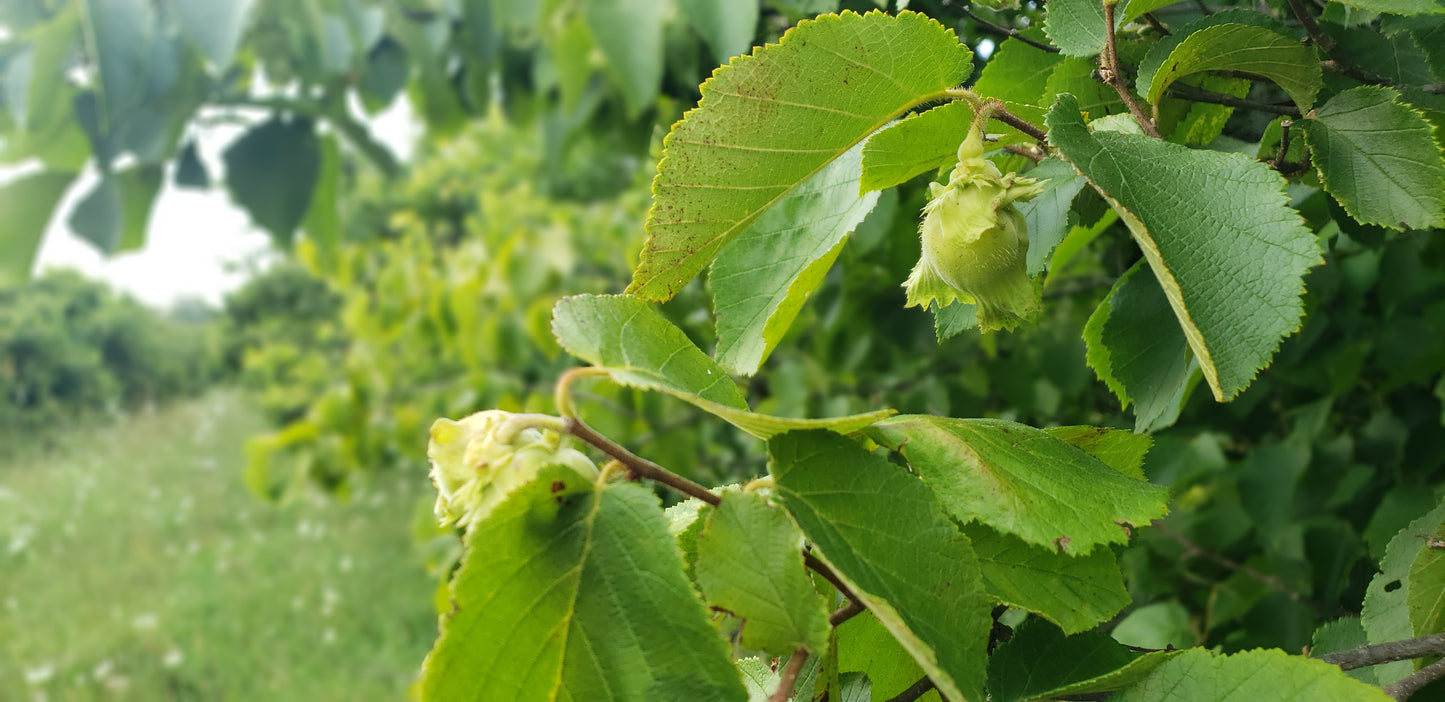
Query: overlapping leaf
[
  {"x": 750, "y": 564},
  {"x": 1217, "y": 232},
  {"x": 629, "y": 33},
  {"x": 1076, "y": 26},
  {"x": 1239, "y": 47},
  {"x": 767, "y": 122},
  {"x": 1121, "y": 450},
  {"x": 917, "y": 144},
  {"x": 575, "y": 592},
  {"x": 25, "y": 206},
  {"x": 885, "y": 535},
  {"x": 1196, "y": 675},
  {"x": 1040, "y": 663},
  {"x": 1138, "y": 349},
  {"x": 1022, "y": 481},
  {"x": 1387, "y": 615},
  {"x": 727, "y": 25},
  {"x": 761, "y": 279},
  {"x": 1074, "y": 592},
  {"x": 637, "y": 346},
  {"x": 1378, "y": 158}
]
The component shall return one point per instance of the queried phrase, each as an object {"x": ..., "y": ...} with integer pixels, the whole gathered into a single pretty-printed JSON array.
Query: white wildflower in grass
[
  {"x": 172, "y": 659},
  {"x": 20, "y": 538},
  {"x": 144, "y": 621},
  {"x": 328, "y": 636},
  {"x": 345, "y": 564},
  {"x": 102, "y": 669},
  {"x": 40, "y": 674}
]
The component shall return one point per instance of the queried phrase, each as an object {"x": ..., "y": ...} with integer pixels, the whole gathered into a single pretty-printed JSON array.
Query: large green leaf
[
  {"x": 1238, "y": 47},
  {"x": 1427, "y": 586},
  {"x": 26, "y": 204},
  {"x": 629, "y": 33},
  {"x": 215, "y": 27},
  {"x": 1049, "y": 214},
  {"x": 1039, "y": 662},
  {"x": 1377, "y": 157},
  {"x": 1075, "y": 592},
  {"x": 1196, "y": 675},
  {"x": 97, "y": 217},
  {"x": 139, "y": 186},
  {"x": 750, "y": 564},
  {"x": 866, "y": 646},
  {"x": 122, "y": 32},
  {"x": 1218, "y": 233},
  {"x": 1121, "y": 450},
  {"x": 271, "y": 171},
  {"x": 1022, "y": 481},
  {"x": 1138, "y": 350},
  {"x": 637, "y": 346},
  {"x": 767, "y": 122},
  {"x": 728, "y": 26},
  {"x": 1386, "y": 615},
  {"x": 761, "y": 279},
  {"x": 572, "y": 591},
  {"x": 885, "y": 535},
  {"x": 919, "y": 143},
  {"x": 1076, "y": 26},
  {"x": 1016, "y": 72}
]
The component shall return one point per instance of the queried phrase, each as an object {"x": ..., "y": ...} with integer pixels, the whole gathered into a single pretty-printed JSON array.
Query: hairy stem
[
  {"x": 1402, "y": 689},
  {"x": 1007, "y": 32},
  {"x": 1114, "y": 75},
  {"x": 789, "y": 678},
  {"x": 562, "y": 391},
  {"x": 996, "y": 110},
  {"x": 638, "y": 466},
  {"x": 1388, "y": 652}
]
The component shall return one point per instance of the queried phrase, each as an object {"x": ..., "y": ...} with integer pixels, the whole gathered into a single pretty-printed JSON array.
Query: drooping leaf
[
  {"x": 122, "y": 31},
  {"x": 919, "y": 143},
  {"x": 1196, "y": 675},
  {"x": 1022, "y": 481},
  {"x": 767, "y": 122},
  {"x": 728, "y": 26},
  {"x": 97, "y": 217},
  {"x": 215, "y": 27},
  {"x": 1217, "y": 232},
  {"x": 138, "y": 186},
  {"x": 1121, "y": 450},
  {"x": 26, "y": 204},
  {"x": 761, "y": 279},
  {"x": 32, "y": 92},
  {"x": 1138, "y": 350},
  {"x": 576, "y": 591},
  {"x": 1386, "y": 615},
  {"x": 384, "y": 74},
  {"x": 1076, "y": 26},
  {"x": 1239, "y": 47},
  {"x": 1048, "y": 215},
  {"x": 885, "y": 535},
  {"x": 323, "y": 218},
  {"x": 1074, "y": 592},
  {"x": 1377, "y": 157},
  {"x": 1394, "y": 56},
  {"x": 1039, "y": 662},
  {"x": 1159, "y": 52},
  {"x": 271, "y": 172},
  {"x": 750, "y": 564},
  {"x": 637, "y": 346},
  {"x": 629, "y": 33},
  {"x": 951, "y": 320},
  {"x": 190, "y": 170}
]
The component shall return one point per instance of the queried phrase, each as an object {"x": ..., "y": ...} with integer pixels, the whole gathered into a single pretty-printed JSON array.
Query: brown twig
[
  {"x": 1007, "y": 32},
  {"x": 850, "y": 609},
  {"x": 1000, "y": 113},
  {"x": 1402, "y": 689},
  {"x": 915, "y": 691},
  {"x": 1388, "y": 652},
  {"x": 1155, "y": 24},
  {"x": 1283, "y": 153},
  {"x": 1027, "y": 151},
  {"x": 1312, "y": 28},
  {"x": 1194, "y": 94},
  {"x": 822, "y": 569},
  {"x": 1114, "y": 75},
  {"x": 638, "y": 466},
  {"x": 1193, "y": 549},
  {"x": 789, "y": 677}
]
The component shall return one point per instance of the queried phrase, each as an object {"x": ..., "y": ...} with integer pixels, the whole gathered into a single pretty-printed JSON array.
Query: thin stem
[
  {"x": 1193, "y": 549},
  {"x": 1284, "y": 126},
  {"x": 822, "y": 569},
  {"x": 1114, "y": 75},
  {"x": 638, "y": 466},
  {"x": 562, "y": 391},
  {"x": 1155, "y": 24},
  {"x": 355, "y": 132},
  {"x": 914, "y": 691},
  {"x": 1031, "y": 154},
  {"x": 1312, "y": 28},
  {"x": 789, "y": 678},
  {"x": 1388, "y": 652},
  {"x": 1405, "y": 687},
  {"x": 1007, "y": 32},
  {"x": 850, "y": 609},
  {"x": 996, "y": 110},
  {"x": 1194, "y": 94}
]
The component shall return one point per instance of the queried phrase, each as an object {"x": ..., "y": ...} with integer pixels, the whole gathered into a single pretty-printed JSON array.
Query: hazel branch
[
  {"x": 915, "y": 691},
  {"x": 1402, "y": 689},
  {"x": 1114, "y": 75},
  {"x": 1388, "y": 652},
  {"x": 1007, "y": 32},
  {"x": 789, "y": 678}
]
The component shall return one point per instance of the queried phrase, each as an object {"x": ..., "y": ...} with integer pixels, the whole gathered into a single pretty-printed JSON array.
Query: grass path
[{"x": 135, "y": 565}]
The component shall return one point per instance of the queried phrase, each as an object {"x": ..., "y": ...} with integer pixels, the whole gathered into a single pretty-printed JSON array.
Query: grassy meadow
[{"x": 135, "y": 565}]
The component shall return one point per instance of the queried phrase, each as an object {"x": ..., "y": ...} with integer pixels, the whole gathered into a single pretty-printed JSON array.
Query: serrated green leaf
[
  {"x": 1121, "y": 450},
  {"x": 1377, "y": 157},
  {"x": 685, "y": 521},
  {"x": 750, "y": 564},
  {"x": 629, "y": 33},
  {"x": 1076, "y": 26},
  {"x": 1217, "y": 232},
  {"x": 951, "y": 320},
  {"x": 1075, "y": 76},
  {"x": 1239, "y": 47},
  {"x": 1039, "y": 662},
  {"x": 1342, "y": 635},
  {"x": 1196, "y": 675},
  {"x": 767, "y": 122},
  {"x": 919, "y": 143},
  {"x": 215, "y": 27},
  {"x": 1395, "y": 56},
  {"x": 271, "y": 171},
  {"x": 1386, "y": 614},
  {"x": 1427, "y": 585},
  {"x": 1074, "y": 592},
  {"x": 1429, "y": 35},
  {"x": 886, "y": 537},
  {"x": 26, "y": 204},
  {"x": 1049, "y": 214},
  {"x": 1022, "y": 481},
  {"x": 1398, "y": 7},
  {"x": 728, "y": 26},
  {"x": 637, "y": 346},
  {"x": 761, "y": 279},
  {"x": 1159, "y": 52},
  {"x": 574, "y": 590},
  {"x": 1016, "y": 72},
  {"x": 1137, "y": 348}
]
